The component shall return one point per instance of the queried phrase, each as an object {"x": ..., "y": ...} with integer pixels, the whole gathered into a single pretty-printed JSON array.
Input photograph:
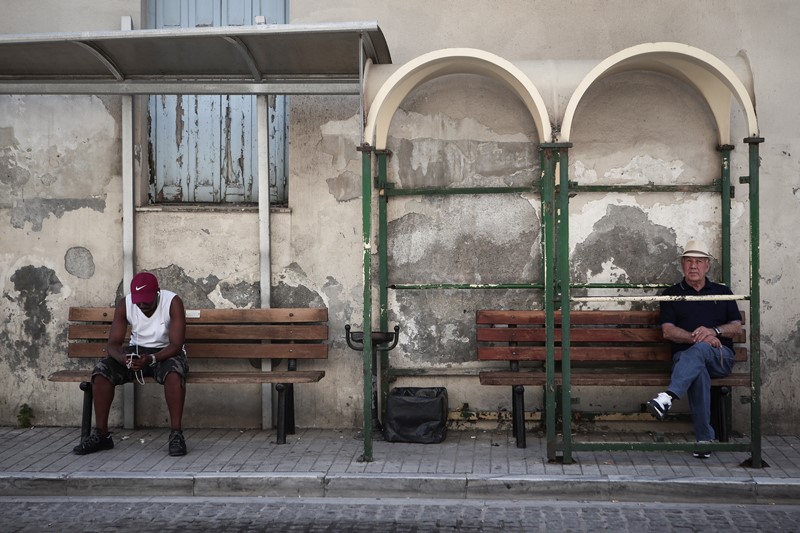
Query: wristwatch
[
  {"x": 717, "y": 331},
  {"x": 154, "y": 361}
]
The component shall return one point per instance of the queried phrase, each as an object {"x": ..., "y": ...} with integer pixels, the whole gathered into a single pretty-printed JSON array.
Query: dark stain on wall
[
  {"x": 647, "y": 252},
  {"x": 33, "y": 285},
  {"x": 290, "y": 295},
  {"x": 36, "y": 210}
]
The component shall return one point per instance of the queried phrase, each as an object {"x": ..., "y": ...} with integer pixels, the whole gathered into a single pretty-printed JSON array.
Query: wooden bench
[
  {"x": 218, "y": 334},
  {"x": 607, "y": 348}
]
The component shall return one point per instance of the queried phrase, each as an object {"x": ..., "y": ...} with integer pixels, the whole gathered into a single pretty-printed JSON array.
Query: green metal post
[
  {"x": 548, "y": 260},
  {"x": 564, "y": 283},
  {"x": 725, "y": 206},
  {"x": 755, "y": 302},
  {"x": 383, "y": 274},
  {"x": 366, "y": 224}
]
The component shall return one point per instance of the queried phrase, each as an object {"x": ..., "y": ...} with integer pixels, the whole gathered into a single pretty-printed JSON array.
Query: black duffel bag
[{"x": 416, "y": 414}]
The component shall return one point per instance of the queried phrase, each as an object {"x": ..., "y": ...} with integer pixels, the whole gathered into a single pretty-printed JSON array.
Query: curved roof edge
[
  {"x": 715, "y": 81},
  {"x": 441, "y": 63}
]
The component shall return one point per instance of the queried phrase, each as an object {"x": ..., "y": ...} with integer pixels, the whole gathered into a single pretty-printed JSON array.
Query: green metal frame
[
  {"x": 566, "y": 444},
  {"x": 557, "y": 284}
]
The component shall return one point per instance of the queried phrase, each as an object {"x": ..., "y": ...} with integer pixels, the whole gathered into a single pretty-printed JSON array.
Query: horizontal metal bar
[
  {"x": 425, "y": 286},
  {"x": 302, "y": 87},
  {"x": 660, "y": 446},
  {"x": 715, "y": 186},
  {"x": 719, "y": 297},
  {"x": 619, "y": 285},
  {"x": 426, "y": 191}
]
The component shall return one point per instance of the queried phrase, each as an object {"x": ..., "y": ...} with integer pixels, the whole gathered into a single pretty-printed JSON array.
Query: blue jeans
[{"x": 692, "y": 370}]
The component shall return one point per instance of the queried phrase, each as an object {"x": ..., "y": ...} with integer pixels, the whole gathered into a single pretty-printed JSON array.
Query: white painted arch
[
  {"x": 441, "y": 63},
  {"x": 715, "y": 81}
]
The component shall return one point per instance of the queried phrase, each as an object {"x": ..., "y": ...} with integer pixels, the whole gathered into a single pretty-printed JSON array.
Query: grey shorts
[{"x": 118, "y": 374}]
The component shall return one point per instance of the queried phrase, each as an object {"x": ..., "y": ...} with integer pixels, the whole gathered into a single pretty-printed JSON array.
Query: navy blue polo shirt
[{"x": 690, "y": 315}]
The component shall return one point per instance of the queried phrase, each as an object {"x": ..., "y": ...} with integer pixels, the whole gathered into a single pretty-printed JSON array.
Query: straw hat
[{"x": 696, "y": 248}]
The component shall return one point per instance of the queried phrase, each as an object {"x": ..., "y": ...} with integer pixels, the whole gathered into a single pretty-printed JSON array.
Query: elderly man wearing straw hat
[{"x": 701, "y": 333}]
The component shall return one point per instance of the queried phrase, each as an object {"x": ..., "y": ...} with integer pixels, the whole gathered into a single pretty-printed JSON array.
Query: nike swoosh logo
[{"x": 140, "y": 288}]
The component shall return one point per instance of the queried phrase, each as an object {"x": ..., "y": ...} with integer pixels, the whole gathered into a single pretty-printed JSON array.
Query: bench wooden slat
[
  {"x": 653, "y": 353},
  {"x": 577, "y": 335},
  {"x": 211, "y": 316},
  {"x": 598, "y": 379},
  {"x": 218, "y": 332},
  {"x": 97, "y": 350},
  {"x": 297, "y": 376},
  {"x": 537, "y": 316}
]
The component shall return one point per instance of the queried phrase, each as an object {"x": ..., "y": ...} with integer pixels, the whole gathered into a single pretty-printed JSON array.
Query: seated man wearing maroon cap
[
  {"x": 158, "y": 328},
  {"x": 701, "y": 333}
]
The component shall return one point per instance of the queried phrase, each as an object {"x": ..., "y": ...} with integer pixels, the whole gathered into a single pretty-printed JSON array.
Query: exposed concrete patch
[
  {"x": 193, "y": 291},
  {"x": 628, "y": 246},
  {"x": 458, "y": 239},
  {"x": 36, "y": 210},
  {"x": 437, "y": 327},
  {"x": 242, "y": 294},
  {"x": 79, "y": 262},
  {"x": 293, "y": 289},
  {"x": 33, "y": 285}
]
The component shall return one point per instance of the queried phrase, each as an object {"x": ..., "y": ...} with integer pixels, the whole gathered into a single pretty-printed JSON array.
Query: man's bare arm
[
  {"x": 177, "y": 330},
  {"x": 116, "y": 336}
]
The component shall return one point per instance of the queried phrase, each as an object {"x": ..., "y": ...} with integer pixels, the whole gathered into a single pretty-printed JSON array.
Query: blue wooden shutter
[{"x": 205, "y": 148}]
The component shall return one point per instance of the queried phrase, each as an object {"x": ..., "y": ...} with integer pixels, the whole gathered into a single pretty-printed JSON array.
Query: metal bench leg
[
  {"x": 281, "y": 388},
  {"x": 290, "y": 428},
  {"x": 518, "y": 412},
  {"x": 721, "y": 417},
  {"x": 86, "y": 418}
]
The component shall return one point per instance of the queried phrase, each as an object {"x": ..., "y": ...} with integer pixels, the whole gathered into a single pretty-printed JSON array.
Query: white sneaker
[{"x": 659, "y": 406}]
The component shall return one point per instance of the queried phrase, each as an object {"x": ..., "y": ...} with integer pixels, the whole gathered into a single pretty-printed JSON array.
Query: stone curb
[{"x": 445, "y": 486}]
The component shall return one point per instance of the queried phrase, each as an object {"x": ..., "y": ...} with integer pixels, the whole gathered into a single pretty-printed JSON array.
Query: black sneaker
[
  {"x": 93, "y": 443},
  {"x": 701, "y": 453},
  {"x": 177, "y": 446}
]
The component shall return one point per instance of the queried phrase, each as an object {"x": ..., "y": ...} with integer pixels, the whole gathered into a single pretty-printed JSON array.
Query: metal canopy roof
[{"x": 262, "y": 59}]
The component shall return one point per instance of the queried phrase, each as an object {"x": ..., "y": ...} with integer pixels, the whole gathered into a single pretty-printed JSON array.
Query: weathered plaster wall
[
  {"x": 61, "y": 226},
  {"x": 61, "y": 189}
]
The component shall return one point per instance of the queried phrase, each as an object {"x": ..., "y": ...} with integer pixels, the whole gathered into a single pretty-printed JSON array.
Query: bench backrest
[
  {"x": 597, "y": 336},
  {"x": 296, "y": 333}
]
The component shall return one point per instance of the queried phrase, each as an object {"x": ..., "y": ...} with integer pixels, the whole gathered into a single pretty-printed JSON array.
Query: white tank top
[{"x": 153, "y": 331}]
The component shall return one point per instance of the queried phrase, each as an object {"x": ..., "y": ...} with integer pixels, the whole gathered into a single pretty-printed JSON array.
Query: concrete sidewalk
[{"x": 325, "y": 463}]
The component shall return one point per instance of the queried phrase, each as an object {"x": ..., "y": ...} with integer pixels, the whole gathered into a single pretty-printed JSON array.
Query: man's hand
[
  {"x": 706, "y": 335},
  {"x": 138, "y": 362}
]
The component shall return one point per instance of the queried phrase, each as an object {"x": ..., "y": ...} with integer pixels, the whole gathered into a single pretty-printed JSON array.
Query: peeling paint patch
[
  {"x": 37, "y": 210},
  {"x": 344, "y": 187},
  {"x": 79, "y": 262},
  {"x": 640, "y": 170},
  {"x": 460, "y": 239},
  {"x": 294, "y": 289},
  {"x": 435, "y": 162}
]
